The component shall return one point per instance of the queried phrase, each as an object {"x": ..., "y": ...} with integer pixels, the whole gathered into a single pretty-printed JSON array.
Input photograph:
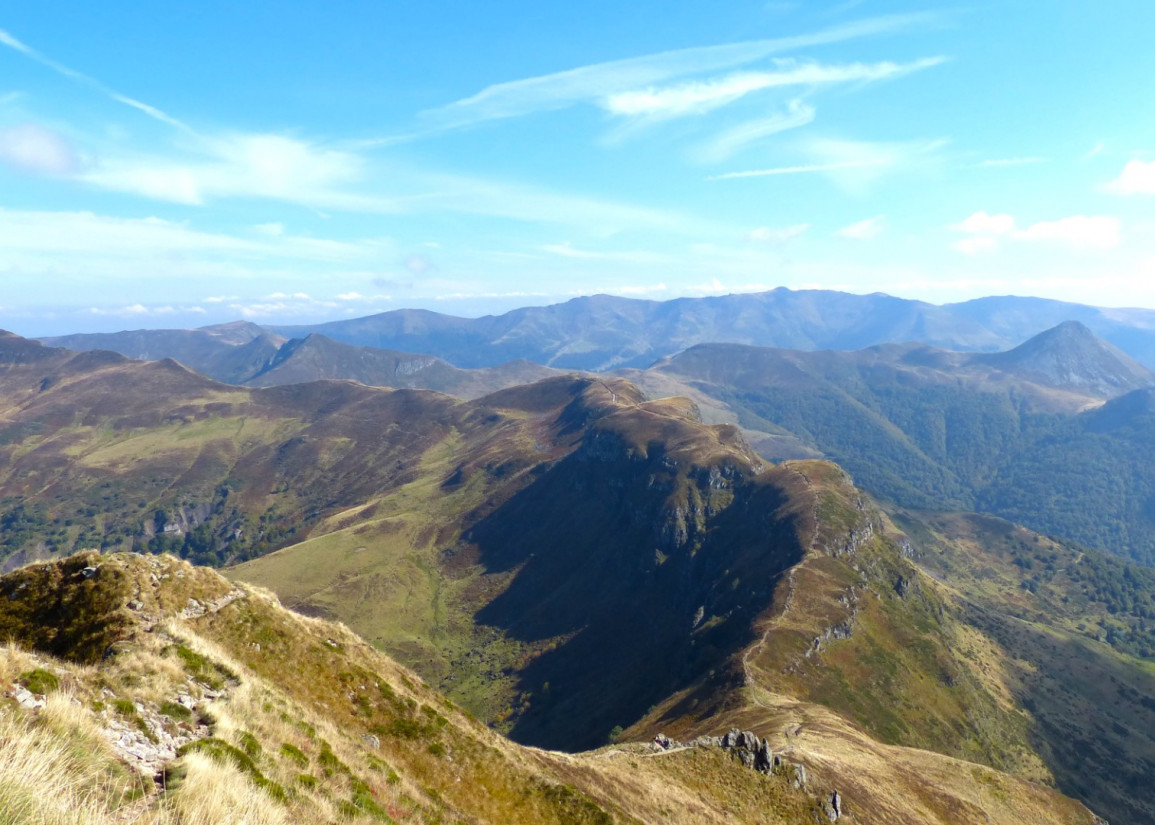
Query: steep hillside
[
  {"x": 203, "y": 701},
  {"x": 1089, "y": 481},
  {"x": 990, "y": 654},
  {"x": 931, "y": 428},
  {"x": 772, "y": 599},
  {"x": 1067, "y": 624}
]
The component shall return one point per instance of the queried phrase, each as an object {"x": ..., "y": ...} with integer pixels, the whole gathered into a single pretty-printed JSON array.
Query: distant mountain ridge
[
  {"x": 245, "y": 354},
  {"x": 603, "y": 332}
]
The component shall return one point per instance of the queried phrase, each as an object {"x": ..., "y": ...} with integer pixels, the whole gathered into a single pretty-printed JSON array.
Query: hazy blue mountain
[
  {"x": 1069, "y": 356},
  {"x": 316, "y": 357},
  {"x": 602, "y": 332},
  {"x": 247, "y": 355},
  {"x": 231, "y": 353}
]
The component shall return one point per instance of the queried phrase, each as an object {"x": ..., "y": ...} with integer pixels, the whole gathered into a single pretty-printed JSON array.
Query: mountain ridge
[
  {"x": 192, "y": 715},
  {"x": 603, "y": 332}
]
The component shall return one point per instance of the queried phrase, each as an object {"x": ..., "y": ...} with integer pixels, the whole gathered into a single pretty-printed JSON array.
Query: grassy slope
[
  {"x": 503, "y": 601},
  {"x": 1059, "y": 622},
  {"x": 966, "y": 661},
  {"x": 290, "y": 706},
  {"x": 915, "y": 425},
  {"x": 99, "y": 451}
]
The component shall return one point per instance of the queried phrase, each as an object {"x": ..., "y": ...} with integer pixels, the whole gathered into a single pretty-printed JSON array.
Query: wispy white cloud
[
  {"x": 297, "y": 171},
  {"x": 976, "y": 244},
  {"x": 247, "y": 165},
  {"x": 601, "y": 81},
  {"x": 864, "y": 230},
  {"x": 567, "y": 250},
  {"x": 36, "y": 238},
  {"x": 777, "y": 235},
  {"x": 523, "y": 202},
  {"x": 737, "y": 138},
  {"x": 35, "y": 150},
  {"x": 852, "y": 164},
  {"x": 1137, "y": 178},
  {"x": 1027, "y": 161},
  {"x": 153, "y": 112},
  {"x": 139, "y": 309},
  {"x": 645, "y": 289},
  {"x": 1076, "y": 232},
  {"x": 798, "y": 170},
  {"x": 980, "y": 223},
  {"x": 699, "y": 97}
]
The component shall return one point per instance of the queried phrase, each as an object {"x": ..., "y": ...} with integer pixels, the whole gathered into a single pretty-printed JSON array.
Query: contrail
[{"x": 84, "y": 80}]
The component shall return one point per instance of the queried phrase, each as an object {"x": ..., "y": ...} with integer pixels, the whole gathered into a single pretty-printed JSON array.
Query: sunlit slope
[
  {"x": 1065, "y": 628},
  {"x": 174, "y": 696},
  {"x": 100, "y": 451},
  {"x": 222, "y": 705}
]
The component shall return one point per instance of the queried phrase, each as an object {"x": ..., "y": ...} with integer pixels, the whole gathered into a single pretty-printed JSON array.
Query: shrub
[{"x": 40, "y": 681}]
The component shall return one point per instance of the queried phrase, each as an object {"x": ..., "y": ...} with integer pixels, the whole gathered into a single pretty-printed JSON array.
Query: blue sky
[{"x": 296, "y": 162}]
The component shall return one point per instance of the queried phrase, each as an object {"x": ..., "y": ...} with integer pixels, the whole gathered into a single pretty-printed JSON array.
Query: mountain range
[
  {"x": 571, "y": 563},
  {"x": 915, "y": 424},
  {"x": 603, "y": 332},
  {"x": 618, "y": 565}
]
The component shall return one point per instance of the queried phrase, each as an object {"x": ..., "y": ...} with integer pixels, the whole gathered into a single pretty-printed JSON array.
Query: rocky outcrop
[
  {"x": 756, "y": 754},
  {"x": 833, "y": 807}
]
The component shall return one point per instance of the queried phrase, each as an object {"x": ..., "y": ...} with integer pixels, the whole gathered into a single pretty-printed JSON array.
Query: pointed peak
[{"x": 1070, "y": 356}]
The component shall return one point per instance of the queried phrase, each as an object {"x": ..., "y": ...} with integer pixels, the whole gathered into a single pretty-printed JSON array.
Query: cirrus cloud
[{"x": 699, "y": 97}]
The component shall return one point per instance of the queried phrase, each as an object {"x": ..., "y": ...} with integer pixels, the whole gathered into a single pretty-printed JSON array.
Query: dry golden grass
[
  {"x": 290, "y": 717},
  {"x": 214, "y": 793}
]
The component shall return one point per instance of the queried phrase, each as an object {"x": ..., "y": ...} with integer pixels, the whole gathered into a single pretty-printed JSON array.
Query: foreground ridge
[{"x": 146, "y": 689}]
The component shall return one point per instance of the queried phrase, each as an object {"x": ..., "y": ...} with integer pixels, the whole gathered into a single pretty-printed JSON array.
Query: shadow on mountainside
[{"x": 648, "y": 573}]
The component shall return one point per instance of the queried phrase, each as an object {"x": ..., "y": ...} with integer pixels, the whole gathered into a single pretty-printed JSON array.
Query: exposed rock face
[
  {"x": 755, "y": 753},
  {"x": 26, "y": 698},
  {"x": 149, "y": 752},
  {"x": 833, "y": 807}
]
